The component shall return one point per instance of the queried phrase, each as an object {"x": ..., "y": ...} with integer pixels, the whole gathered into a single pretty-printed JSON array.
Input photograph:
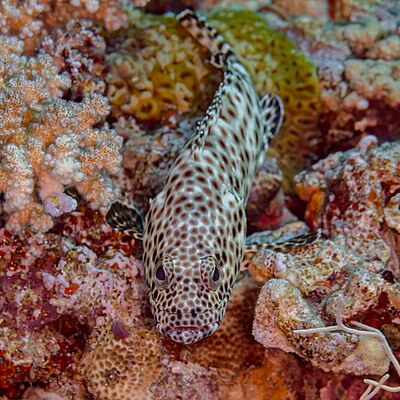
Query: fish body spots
[{"x": 196, "y": 227}]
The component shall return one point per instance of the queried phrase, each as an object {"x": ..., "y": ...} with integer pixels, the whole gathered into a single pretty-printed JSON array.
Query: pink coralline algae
[
  {"x": 56, "y": 291},
  {"x": 48, "y": 144}
]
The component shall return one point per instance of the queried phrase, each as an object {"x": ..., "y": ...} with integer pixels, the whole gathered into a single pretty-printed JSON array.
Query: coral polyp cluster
[
  {"x": 157, "y": 68},
  {"x": 48, "y": 144}
]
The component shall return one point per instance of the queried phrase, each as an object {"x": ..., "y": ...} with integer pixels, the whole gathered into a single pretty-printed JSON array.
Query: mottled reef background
[{"x": 96, "y": 100}]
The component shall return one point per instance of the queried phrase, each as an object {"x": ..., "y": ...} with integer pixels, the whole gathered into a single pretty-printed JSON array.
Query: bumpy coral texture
[
  {"x": 157, "y": 68},
  {"x": 232, "y": 349},
  {"x": 277, "y": 66},
  {"x": 351, "y": 196},
  {"x": 48, "y": 144},
  {"x": 124, "y": 368},
  {"x": 358, "y": 68},
  {"x": 56, "y": 291},
  {"x": 31, "y": 20},
  {"x": 287, "y": 302},
  {"x": 78, "y": 49}
]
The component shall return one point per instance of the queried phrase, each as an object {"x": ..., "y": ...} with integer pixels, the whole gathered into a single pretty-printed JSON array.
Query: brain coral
[
  {"x": 277, "y": 66},
  {"x": 48, "y": 144},
  {"x": 156, "y": 68}
]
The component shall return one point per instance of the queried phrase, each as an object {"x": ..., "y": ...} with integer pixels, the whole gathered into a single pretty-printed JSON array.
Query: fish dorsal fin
[
  {"x": 207, "y": 36},
  {"x": 294, "y": 245},
  {"x": 204, "y": 126},
  {"x": 273, "y": 112},
  {"x": 125, "y": 219}
]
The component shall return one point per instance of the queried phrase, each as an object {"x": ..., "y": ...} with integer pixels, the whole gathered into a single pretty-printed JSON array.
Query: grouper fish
[{"x": 195, "y": 230}]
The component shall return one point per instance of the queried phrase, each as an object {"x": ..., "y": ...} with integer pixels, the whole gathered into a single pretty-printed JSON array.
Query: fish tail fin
[{"x": 207, "y": 36}]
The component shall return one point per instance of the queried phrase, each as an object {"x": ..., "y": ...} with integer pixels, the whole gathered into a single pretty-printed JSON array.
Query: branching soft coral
[{"x": 47, "y": 143}]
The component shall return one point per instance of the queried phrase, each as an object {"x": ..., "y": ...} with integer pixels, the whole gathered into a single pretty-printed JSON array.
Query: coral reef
[
  {"x": 301, "y": 292},
  {"x": 156, "y": 69},
  {"x": 78, "y": 50},
  {"x": 32, "y": 20},
  {"x": 358, "y": 63},
  {"x": 347, "y": 194},
  {"x": 48, "y": 144},
  {"x": 55, "y": 290},
  {"x": 123, "y": 368},
  {"x": 96, "y": 100}
]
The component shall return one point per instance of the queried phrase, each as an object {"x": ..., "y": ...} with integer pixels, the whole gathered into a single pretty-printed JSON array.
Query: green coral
[
  {"x": 157, "y": 69},
  {"x": 277, "y": 66}
]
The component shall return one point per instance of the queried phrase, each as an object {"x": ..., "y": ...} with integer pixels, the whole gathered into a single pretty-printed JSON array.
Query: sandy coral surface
[{"x": 97, "y": 98}]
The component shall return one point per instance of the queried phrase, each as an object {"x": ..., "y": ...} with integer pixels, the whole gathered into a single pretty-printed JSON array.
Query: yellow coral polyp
[
  {"x": 157, "y": 69},
  {"x": 277, "y": 66}
]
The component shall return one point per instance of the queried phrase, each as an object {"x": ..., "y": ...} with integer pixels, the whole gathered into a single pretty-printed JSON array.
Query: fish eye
[
  {"x": 160, "y": 273},
  {"x": 216, "y": 275},
  {"x": 162, "y": 269},
  {"x": 210, "y": 272}
]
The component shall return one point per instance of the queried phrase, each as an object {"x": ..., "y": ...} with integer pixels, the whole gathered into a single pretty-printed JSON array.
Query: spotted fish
[{"x": 195, "y": 230}]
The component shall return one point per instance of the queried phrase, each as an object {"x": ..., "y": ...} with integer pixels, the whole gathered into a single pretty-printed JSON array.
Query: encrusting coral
[
  {"x": 347, "y": 195},
  {"x": 48, "y": 144},
  {"x": 124, "y": 368}
]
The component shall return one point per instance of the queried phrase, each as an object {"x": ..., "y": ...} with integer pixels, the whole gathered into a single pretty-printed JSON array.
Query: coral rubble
[{"x": 347, "y": 195}]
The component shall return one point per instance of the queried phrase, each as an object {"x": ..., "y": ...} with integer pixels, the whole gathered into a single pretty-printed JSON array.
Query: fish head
[{"x": 188, "y": 297}]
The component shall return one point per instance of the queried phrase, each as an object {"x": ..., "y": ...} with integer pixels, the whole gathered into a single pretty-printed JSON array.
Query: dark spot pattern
[{"x": 195, "y": 228}]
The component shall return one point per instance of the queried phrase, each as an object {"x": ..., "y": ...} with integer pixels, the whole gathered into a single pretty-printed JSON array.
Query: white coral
[{"x": 48, "y": 144}]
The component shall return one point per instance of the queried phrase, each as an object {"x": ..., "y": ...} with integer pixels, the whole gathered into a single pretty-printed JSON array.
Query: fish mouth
[
  {"x": 187, "y": 328},
  {"x": 187, "y": 334}
]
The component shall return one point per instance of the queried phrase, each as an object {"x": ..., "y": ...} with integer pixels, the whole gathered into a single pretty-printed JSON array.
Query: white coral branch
[{"x": 366, "y": 331}]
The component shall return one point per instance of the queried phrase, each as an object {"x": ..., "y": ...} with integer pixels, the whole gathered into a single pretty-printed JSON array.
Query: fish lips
[{"x": 187, "y": 334}]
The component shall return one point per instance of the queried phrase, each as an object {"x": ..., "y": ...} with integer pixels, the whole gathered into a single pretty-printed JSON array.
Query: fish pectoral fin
[
  {"x": 230, "y": 194},
  {"x": 293, "y": 245},
  {"x": 288, "y": 246},
  {"x": 298, "y": 242},
  {"x": 249, "y": 253},
  {"x": 125, "y": 219},
  {"x": 273, "y": 113}
]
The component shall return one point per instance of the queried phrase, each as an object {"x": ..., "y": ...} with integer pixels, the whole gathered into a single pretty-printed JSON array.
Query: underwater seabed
[{"x": 97, "y": 100}]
